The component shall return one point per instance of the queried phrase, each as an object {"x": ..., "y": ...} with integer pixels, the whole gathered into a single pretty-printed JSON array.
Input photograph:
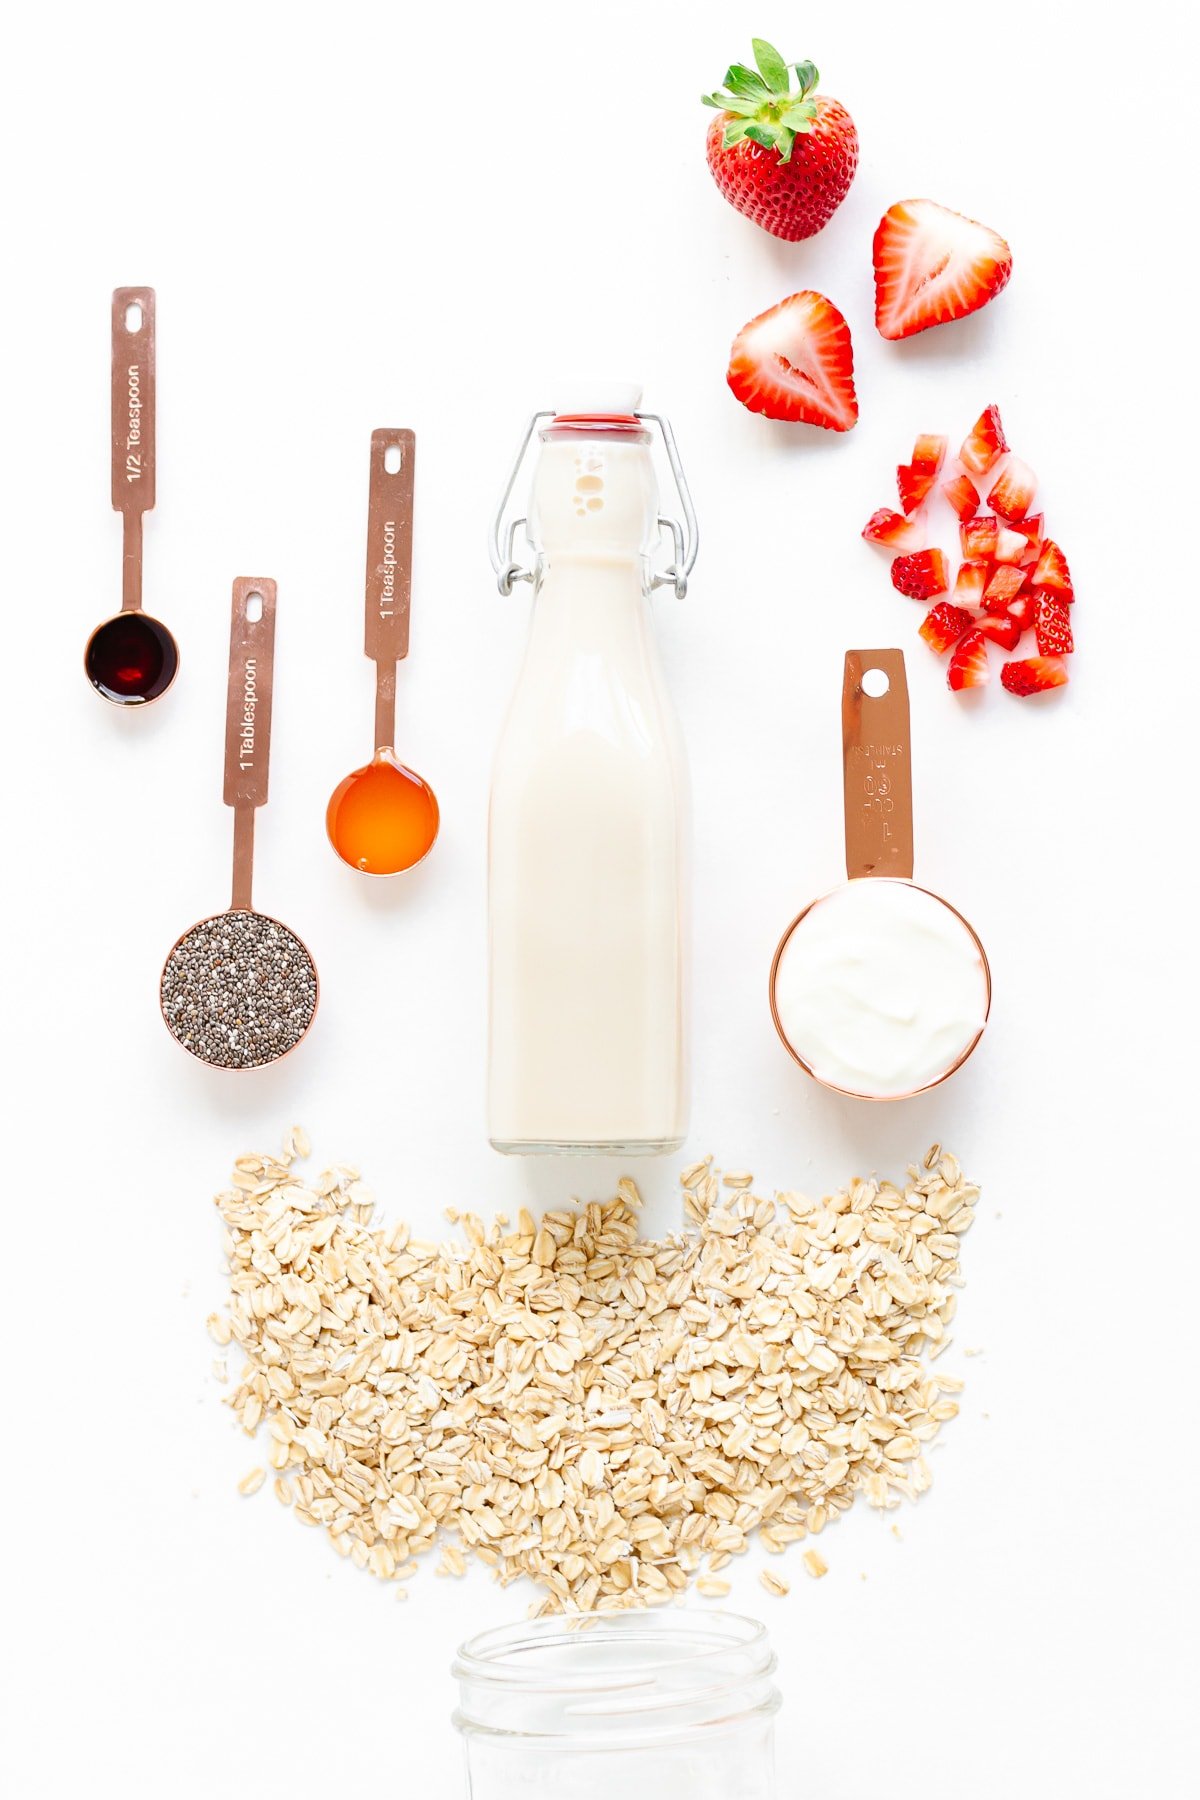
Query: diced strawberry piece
[
  {"x": 984, "y": 444},
  {"x": 963, "y": 496},
  {"x": 1011, "y": 547},
  {"x": 969, "y": 664},
  {"x": 915, "y": 479},
  {"x": 893, "y": 530},
  {"x": 943, "y": 625},
  {"x": 1034, "y": 675},
  {"x": 929, "y": 452},
  {"x": 920, "y": 576},
  {"x": 978, "y": 537},
  {"x": 1030, "y": 529},
  {"x": 913, "y": 485},
  {"x": 1003, "y": 588},
  {"x": 1021, "y": 610},
  {"x": 1001, "y": 629},
  {"x": 796, "y": 363},
  {"x": 932, "y": 265},
  {"x": 1012, "y": 496},
  {"x": 1051, "y": 575},
  {"x": 971, "y": 582},
  {"x": 1052, "y": 622}
]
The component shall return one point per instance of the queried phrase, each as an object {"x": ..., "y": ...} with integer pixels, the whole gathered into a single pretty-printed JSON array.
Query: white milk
[
  {"x": 881, "y": 989},
  {"x": 588, "y": 829}
]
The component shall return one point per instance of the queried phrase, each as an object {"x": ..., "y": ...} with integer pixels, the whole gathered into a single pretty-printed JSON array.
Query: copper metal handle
[
  {"x": 133, "y": 427},
  {"x": 389, "y": 570},
  {"x": 876, "y": 769},
  {"x": 248, "y": 720}
]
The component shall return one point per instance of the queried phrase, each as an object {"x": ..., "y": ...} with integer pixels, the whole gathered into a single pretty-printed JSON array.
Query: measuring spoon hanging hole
[
  {"x": 239, "y": 989},
  {"x": 383, "y": 818},
  {"x": 132, "y": 658}
]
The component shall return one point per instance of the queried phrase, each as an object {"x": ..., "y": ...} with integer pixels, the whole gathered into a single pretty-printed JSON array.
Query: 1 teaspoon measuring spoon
[
  {"x": 383, "y": 818},
  {"x": 132, "y": 658}
]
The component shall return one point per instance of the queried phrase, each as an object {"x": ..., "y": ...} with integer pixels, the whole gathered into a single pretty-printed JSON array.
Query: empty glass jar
[{"x": 620, "y": 1706}]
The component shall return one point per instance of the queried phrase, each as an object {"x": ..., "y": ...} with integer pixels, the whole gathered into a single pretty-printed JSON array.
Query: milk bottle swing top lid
[{"x": 611, "y": 407}]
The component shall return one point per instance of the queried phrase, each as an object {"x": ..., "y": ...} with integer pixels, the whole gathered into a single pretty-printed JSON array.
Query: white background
[{"x": 376, "y": 214}]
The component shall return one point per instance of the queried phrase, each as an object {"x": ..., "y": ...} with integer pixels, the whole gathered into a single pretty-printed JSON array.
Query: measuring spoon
[
  {"x": 383, "y": 819},
  {"x": 880, "y": 988},
  {"x": 132, "y": 659},
  {"x": 239, "y": 989}
]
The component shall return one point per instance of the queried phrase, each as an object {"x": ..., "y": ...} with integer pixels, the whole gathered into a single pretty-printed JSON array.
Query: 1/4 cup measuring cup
[{"x": 880, "y": 988}]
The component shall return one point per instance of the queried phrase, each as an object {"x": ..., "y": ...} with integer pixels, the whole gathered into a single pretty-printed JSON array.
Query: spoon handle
[
  {"x": 248, "y": 720},
  {"x": 133, "y": 435},
  {"x": 389, "y": 569},
  {"x": 876, "y": 768}
]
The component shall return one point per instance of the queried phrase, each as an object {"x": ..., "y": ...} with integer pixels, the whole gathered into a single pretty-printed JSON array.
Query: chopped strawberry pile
[{"x": 1012, "y": 578}]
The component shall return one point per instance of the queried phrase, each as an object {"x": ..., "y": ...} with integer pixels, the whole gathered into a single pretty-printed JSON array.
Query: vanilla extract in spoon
[{"x": 132, "y": 658}]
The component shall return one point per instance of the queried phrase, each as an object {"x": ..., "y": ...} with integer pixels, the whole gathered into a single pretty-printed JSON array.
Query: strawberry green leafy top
[{"x": 766, "y": 107}]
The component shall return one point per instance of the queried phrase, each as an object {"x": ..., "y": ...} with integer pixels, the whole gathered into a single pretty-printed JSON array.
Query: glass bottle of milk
[{"x": 589, "y": 823}]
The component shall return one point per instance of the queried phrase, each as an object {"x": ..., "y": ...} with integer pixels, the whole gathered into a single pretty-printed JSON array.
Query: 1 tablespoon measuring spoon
[
  {"x": 383, "y": 819},
  {"x": 239, "y": 989},
  {"x": 132, "y": 658},
  {"x": 879, "y": 989}
]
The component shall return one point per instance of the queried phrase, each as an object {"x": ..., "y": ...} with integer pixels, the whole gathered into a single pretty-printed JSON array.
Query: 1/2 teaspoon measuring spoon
[
  {"x": 132, "y": 658},
  {"x": 383, "y": 819}
]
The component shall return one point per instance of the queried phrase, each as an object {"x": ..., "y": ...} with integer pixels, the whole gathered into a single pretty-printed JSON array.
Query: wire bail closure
[{"x": 685, "y": 538}]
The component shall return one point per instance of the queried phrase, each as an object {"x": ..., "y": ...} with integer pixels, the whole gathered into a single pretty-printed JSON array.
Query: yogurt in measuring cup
[{"x": 880, "y": 989}]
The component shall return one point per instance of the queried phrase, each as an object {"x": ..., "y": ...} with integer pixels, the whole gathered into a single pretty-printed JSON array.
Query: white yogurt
[{"x": 881, "y": 989}]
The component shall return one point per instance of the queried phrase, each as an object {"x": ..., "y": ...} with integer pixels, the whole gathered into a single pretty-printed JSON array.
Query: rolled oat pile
[{"x": 606, "y": 1415}]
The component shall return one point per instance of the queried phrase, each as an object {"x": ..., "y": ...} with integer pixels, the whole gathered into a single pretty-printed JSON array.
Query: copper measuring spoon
[
  {"x": 863, "y": 970},
  {"x": 383, "y": 819},
  {"x": 239, "y": 989},
  {"x": 132, "y": 658}
]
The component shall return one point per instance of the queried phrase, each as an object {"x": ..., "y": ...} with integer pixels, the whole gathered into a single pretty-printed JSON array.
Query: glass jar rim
[{"x": 653, "y": 1672}]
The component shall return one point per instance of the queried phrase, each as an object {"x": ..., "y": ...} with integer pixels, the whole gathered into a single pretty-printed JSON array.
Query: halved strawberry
[
  {"x": 1051, "y": 575},
  {"x": 1052, "y": 622},
  {"x": 1003, "y": 588},
  {"x": 963, "y": 496},
  {"x": 969, "y": 664},
  {"x": 893, "y": 530},
  {"x": 1001, "y": 629},
  {"x": 795, "y": 362},
  {"x": 984, "y": 443},
  {"x": 1013, "y": 493},
  {"x": 933, "y": 265},
  {"x": 1010, "y": 546},
  {"x": 978, "y": 536},
  {"x": 970, "y": 583},
  {"x": 1021, "y": 609},
  {"x": 943, "y": 625},
  {"x": 920, "y": 576},
  {"x": 1034, "y": 675}
]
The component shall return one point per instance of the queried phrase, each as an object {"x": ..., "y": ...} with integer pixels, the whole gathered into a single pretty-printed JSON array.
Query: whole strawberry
[{"x": 780, "y": 152}]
